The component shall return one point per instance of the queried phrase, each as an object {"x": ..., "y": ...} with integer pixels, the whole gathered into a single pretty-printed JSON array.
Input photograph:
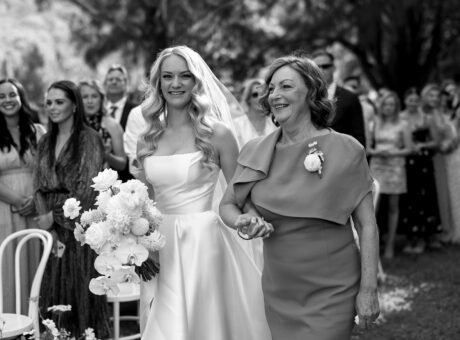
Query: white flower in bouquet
[
  {"x": 129, "y": 252},
  {"x": 60, "y": 308},
  {"x": 154, "y": 241},
  {"x": 102, "y": 200},
  {"x": 122, "y": 202},
  {"x": 71, "y": 208},
  {"x": 125, "y": 274},
  {"x": 97, "y": 235},
  {"x": 91, "y": 216},
  {"x": 79, "y": 233},
  {"x": 152, "y": 214},
  {"x": 135, "y": 188},
  {"x": 120, "y": 221},
  {"x": 107, "y": 264},
  {"x": 105, "y": 179},
  {"x": 140, "y": 226},
  {"x": 102, "y": 284}
]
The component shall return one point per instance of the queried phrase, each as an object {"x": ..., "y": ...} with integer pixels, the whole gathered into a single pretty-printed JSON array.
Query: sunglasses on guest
[{"x": 325, "y": 66}]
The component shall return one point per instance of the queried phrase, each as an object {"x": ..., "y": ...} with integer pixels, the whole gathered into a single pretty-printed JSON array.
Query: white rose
[
  {"x": 71, "y": 208},
  {"x": 312, "y": 162},
  {"x": 102, "y": 200},
  {"x": 105, "y": 179},
  {"x": 97, "y": 235}
]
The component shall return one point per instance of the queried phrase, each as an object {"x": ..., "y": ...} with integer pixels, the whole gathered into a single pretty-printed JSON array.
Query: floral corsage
[{"x": 314, "y": 160}]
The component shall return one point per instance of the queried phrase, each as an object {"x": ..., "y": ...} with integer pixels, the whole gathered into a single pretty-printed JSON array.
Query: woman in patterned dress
[
  {"x": 390, "y": 144},
  {"x": 68, "y": 157}
]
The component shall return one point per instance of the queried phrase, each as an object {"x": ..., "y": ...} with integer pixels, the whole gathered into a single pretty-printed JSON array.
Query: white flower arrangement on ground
[
  {"x": 53, "y": 332},
  {"x": 122, "y": 231}
]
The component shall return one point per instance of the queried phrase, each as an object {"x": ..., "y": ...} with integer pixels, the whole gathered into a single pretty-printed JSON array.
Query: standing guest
[
  {"x": 348, "y": 112},
  {"x": 208, "y": 287},
  {"x": 453, "y": 166},
  {"x": 411, "y": 104},
  {"x": 254, "y": 123},
  {"x": 419, "y": 212},
  {"x": 390, "y": 143},
  {"x": 119, "y": 102},
  {"x": 18, "y": 144},
  {"x": 431, "y": 105},
  {"x": 109, "y": 129},
  {"x": 436, "y": 104},
  {"x": 314, "y": 279},
  {"x": 68, "y": 157},
  {"x": 353, "y": 84}
]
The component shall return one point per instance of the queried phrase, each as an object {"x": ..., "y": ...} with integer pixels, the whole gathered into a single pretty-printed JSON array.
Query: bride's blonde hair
[{"x": 154, "y": 107}]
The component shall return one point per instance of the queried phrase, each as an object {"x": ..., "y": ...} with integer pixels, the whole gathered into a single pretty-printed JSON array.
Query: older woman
[{"x": 305, "y": 181}]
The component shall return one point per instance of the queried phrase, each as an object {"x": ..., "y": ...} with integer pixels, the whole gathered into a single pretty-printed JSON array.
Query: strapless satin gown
[{"x": 209, "y": 287}]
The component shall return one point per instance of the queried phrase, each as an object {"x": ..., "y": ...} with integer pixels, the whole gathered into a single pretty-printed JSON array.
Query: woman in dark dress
[
  {"x": 299, "y": 186},
  {"x": 419, "y": 216},
  {"x": 68, "y": 157}
]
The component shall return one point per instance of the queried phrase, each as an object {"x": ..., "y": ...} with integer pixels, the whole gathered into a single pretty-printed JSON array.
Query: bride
[{"x": 208, "y": 287}]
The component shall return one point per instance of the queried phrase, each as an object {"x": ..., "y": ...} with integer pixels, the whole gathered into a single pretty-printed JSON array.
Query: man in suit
[
  {"x": 348, "y": 112},
  {"x": 119, "y": 104}
]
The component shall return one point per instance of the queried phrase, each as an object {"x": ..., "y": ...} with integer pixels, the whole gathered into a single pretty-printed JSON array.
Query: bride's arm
[{"x": 226, "y": 147}]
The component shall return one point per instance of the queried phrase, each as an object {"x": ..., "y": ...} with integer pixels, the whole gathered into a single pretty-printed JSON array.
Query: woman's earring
[{"x": 272, "y": 116}]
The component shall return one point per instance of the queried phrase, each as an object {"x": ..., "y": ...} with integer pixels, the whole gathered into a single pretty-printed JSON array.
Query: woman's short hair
[{"x": 321, "y": 108}]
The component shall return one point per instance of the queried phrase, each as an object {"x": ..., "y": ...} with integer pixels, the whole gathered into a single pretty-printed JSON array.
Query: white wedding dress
[{"x": 209, "y": 287}]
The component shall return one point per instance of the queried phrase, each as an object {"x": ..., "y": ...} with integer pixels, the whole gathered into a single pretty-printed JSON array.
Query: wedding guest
[
  {"x": 254, "y": 122},
  {"x": 119, "y": 103},
  {"x": 109, "y": 129},
  {"x": 353, "y": 84},
  {"x": 208, "y": 287},
  {"x": 68, "y": 157},
  {"x": 390, "y": 143},
  {"x": 419, "y": 212},
  {"x": 18, "y": 144},
  {"x": 314, "y": 279},
  {"x": 348, "y": 112},
  {"x": 453, "y": 164}
]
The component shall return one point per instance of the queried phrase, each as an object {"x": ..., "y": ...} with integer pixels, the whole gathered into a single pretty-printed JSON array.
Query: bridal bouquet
[{"x": 122, "y": 231}]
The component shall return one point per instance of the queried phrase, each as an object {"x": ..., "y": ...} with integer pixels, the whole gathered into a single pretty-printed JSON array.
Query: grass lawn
[{"x": 420, "y": 298}]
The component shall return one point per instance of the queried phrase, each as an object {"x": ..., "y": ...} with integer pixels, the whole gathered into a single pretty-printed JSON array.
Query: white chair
[
  {"x": 128, "y": 292},
  {"x": 17, "y": 323}
]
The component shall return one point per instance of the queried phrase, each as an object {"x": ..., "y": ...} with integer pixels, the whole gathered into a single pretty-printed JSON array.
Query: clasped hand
[
  {"x": 24, "y": 206},
  {"x": 253, "y": 226},
  {"x": 367, "y": 306}
]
